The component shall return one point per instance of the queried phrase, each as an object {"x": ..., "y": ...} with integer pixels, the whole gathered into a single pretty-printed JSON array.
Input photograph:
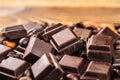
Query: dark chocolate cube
[
  {"x": 72, "y": 64},
  {"x": 13, "y": 67},
  {"x": 100, "y": 70},
  {"x": 66, "y": 41},
  {"x": 46, "y": 68},
  {"x": 15, "y": 32},
  {"x": 35, "y": 49},
  {"x": 108, "y": 32},
  {"x": 50, "y": 30}
]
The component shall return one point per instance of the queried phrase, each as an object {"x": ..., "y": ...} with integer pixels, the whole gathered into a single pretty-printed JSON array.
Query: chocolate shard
[
  {"x": 4, "y": 50},
  {"x": 50, "y": 30},
  {"x": 20, "y": 49},
  {"x": 100, "y": 70},
  {"x": 35, "y": 49},
  {"x": 72, "y": 64},
  {"x": 66, "y": 42},
  {"x": 14, "y": 32},
  {"x": 108, "y": 32},
  {"x": 47, "y": 68},
  {"x": 13, "y": 68},
  {"x": 82, "y": 33},
  {"x": 99, "y": 48}
]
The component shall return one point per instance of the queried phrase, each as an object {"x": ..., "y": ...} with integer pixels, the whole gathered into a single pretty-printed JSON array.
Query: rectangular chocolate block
[
  {"x": 47, "y": 68},
  {"x": 50, "y": 30},
  {"x": 100, "y": 43},
  {"x": 4, "y": 50},
  {"x": 14, "y": 32},
  {"x": 66, "y": 41},
  {"x": 35, "y": 49},
  {"x": 72, "y": 64},
  {"x": 108, "y": 32},
  {"x": 100, "y": 70},
  {"x": 13, "y": 67},
  {"x": 82, "y": 33},
  {"x": 21, "y": 49}
]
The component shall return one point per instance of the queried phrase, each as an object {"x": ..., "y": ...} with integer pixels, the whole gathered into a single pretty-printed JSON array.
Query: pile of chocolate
[{"x": 44, "y": 51}]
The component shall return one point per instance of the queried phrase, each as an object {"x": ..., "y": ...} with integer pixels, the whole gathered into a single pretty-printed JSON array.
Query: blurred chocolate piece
[
  {"x": 79, "y": 25},
  {"x": 66, "y": 42},
  {"x": 35, "y": 49},
  {"x": 83, "y": 77},
  {"x": 72, "y": 64},
  {"x": 100, "y": 70},
  {"x": 82, "y": 33},
  {"x": 14, "y": 32},
  {"x": 99, "y": 48},
  {"x": 108, "y": 32},
  {"x": 20, "y": 49},
  {"x": 116, "y": 78},
  {"x": 23, "y": 41},
  {"x": 116, "y": 25},
  {"x": 116, "y": 54},
  {"x": 72, "y": 77},
  {"x": 116, "y": 63},
  {"x": 12, "y": 68},
  {"x": 4, "y": 50},
  {"x": 50, "y": 30},
  {"x": 46, "y": 68}
]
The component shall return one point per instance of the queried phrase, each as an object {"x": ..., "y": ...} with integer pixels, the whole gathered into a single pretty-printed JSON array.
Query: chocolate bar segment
[
  {"x": 108, "y": 32},
  {"x": 72, "y": 64},
  {"x": 46, "y": 68},
  {"x": 35, "y": 49},
  {"x": 66, "y": 41},
  {"x": 100, "y": 70},
  {"x": 50, "y": 30},
  {"x": 99, "y": 48},
  {"x": 13, "y": 67},
  {"x": 14, "y": 32}
]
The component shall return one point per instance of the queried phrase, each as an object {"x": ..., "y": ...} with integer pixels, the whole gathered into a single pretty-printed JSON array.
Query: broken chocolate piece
[
  {"x": 100, "y": 70},
  {"x": 46, "y": 68},
  {"x": 72, "y": 64},
  {"x": 35, "y": 49},
  {"x": 14, "y": 32},
  {"x": 13, "y": 68},
  {"x": 66, "y": 42}
]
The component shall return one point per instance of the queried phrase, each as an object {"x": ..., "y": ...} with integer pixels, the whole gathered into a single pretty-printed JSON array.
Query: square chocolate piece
[
  {"x": 66, "y": 41},
  {"x": 35, "y": 49},
  {"x": 13, "y": 67},
  {"x": 73, "y": 64},
  {"x": 100, "y": 70},
  {"x": 47, "y": 68},
  {"x": 15, "y": 32}
]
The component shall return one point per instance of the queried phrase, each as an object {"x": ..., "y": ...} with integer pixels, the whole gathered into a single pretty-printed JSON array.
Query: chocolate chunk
[
  {"x": 116, "y": 25},
  {"x": 73, "y": 64},
  {"x": 108, "y": 32},
  {"x": 14, "y": 32},
  {"x": 100, "y": 70},
  {"x": 4, "y": 50},
  {"x": 46, "y": 68},
  {"x": 35, "y": 49},
  {"x": 66, "y": 42},
  {"x": 50, "y": 30},
  {"x": 23, "y": 41},
  {"x": 116, "y": 54},
  {"x": 99, "y": 48},
  {"x": 82, "y": 33},
  {"x": 72, "y": 77},
  {"x": 83, "y": 77},
  {"x": 13, "y": 68},
  {"x": 116, "y": 64}
]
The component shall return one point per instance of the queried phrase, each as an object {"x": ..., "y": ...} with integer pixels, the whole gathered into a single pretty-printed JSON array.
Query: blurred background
[{"x": 14, "y": 12}]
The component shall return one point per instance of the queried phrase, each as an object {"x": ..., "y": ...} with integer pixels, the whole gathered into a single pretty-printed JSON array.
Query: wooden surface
[{"x": 15, "y": 12}]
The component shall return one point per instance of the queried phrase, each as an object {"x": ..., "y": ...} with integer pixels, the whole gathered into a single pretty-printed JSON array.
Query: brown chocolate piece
[
  {"x": 50, "y": 30},
  {"x": 14, "y": 32},
  {"x": 82, "y": 33},
  {"x": 13, "y": 68},
  {"x": 73, "y": 64},
  {"x": 46, "y": 68},
  {"x": 35, "y": 49},
  {"x": 66, "y": 41},
  {"x": 83, "y": 77},
  {"x": 99, "y": 48},
  {"x": 100, "y": 70},
  {"x": 4, "y": 50},
  {"x": 108, "y": 32},
  {"x": 21, "y": 49}
]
